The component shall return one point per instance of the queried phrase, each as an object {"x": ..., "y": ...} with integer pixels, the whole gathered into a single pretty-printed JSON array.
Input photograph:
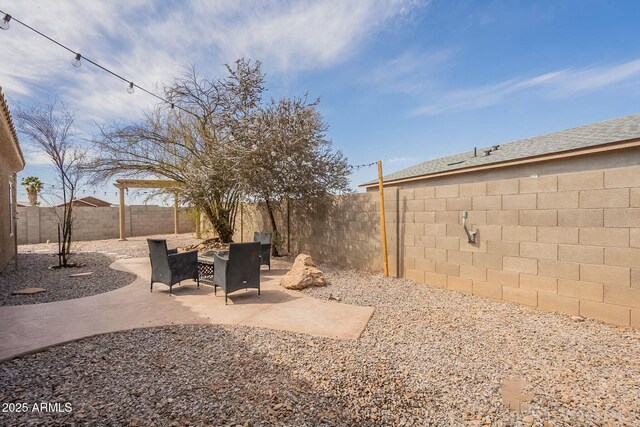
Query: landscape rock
[
  {"x": 528, "y": 419},
  {"x": 207, "y": 245},
  {"x": 88, "y": 273},
  {"x": 303, "y": 274},
  {"x": 29, "y": 291}
]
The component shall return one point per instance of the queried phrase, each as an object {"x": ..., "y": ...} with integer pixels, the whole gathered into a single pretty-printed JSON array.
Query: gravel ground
[
  {"x": 134, "y": 246},
  {"x": 34, "y": 272},
  {"x": 91, "y": 256},
  {"x": 428, "y": 357}
]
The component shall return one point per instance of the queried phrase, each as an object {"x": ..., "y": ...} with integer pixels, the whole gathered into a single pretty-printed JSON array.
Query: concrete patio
[{"x": 31, "y": 328}]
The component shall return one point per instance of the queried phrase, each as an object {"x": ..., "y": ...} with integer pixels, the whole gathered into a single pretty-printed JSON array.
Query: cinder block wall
[
  {"x": 562, "y": 236},
  {"x": 562, "y": 242},
  {"x": 346, "y": 233},
  {"x": 39, "y": 224}
]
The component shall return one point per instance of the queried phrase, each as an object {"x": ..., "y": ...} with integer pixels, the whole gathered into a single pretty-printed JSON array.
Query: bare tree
[
  {"x": 282, "y": 153},
  {"x": 224, "y": 143},
  {"x": 50, "y": 127},
  {"x": 190, "y": 144}
]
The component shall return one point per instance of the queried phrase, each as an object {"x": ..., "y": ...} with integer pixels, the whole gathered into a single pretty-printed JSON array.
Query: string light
[
  {"x": 5, "y": 21},
  {"x": 5, "y": 26},
  {"x": 368, "y": 165},
  {"x": 76, "y": 61}
]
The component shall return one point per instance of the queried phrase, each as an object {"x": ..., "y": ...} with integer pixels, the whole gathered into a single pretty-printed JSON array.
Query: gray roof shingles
[{"x": 610, "y": 131}]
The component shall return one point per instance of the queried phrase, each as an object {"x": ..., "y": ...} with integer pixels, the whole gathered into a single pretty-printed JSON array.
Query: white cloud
[
  {"x": 596, "y": 78},
  {"x": 400, "y": 160},
  {"x": 409, "y": 72},
  {"x": 33, "y": 156},
  {"x": 562, "y": 83},
  {"x": 311, "y": 34},
  {"x": 148, "y": 42}
]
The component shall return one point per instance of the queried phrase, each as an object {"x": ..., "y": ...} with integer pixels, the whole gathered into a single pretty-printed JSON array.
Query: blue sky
[{"x": 402, "y": 81}]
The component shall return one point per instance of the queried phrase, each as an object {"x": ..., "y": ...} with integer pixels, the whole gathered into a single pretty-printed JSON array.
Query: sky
[{"x": 402, "y": 81}]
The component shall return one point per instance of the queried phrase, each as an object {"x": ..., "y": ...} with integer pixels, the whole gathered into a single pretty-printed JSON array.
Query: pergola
[{"x": 125, "y": 184}]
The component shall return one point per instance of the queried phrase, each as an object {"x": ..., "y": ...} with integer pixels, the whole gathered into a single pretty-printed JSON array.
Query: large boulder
[{"x": 303, "y": 274}]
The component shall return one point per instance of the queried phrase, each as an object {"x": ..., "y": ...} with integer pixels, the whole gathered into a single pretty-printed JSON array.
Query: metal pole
[
  {"x": 383, "y": 227},
  {"x": 14, "y": 215}
]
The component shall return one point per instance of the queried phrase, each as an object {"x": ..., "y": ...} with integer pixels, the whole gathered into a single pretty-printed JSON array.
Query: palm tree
[{"x": 33, "y": 186}]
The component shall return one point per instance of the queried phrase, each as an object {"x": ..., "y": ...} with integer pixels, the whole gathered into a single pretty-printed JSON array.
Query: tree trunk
[
  {"x": 33, "y": 197},
  {"x": 274, "y": 229},
  {"x": 67, "y": 225},
  {"x": 220, "y": 221}
]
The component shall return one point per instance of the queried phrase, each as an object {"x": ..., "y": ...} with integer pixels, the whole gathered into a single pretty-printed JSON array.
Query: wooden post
[
  {"x": 121, "y": 211},
  {"x": 288, "y": 228},
  {"x": 198, "y": 226},
  {"x": 175, "y": 213},
  {"x": 383, "y": 227},
  {"x": 241, "y": 222},
  {"x": 398, "y": 232}
]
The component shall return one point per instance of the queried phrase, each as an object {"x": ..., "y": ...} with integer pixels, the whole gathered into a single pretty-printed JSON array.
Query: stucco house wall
[{"x": 11, "y": 162}]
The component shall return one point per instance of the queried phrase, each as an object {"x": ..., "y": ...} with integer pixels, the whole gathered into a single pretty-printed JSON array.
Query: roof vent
[
  {"x": 495, "y": 148},
  {"x": 487, "y": 152},
  {"x": 456, "y": 163}
]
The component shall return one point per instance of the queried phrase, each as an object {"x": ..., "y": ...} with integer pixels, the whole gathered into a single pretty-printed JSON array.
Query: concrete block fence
[
  {"x": 39, "y": 224},
  {"x": 566, "y": 242}
]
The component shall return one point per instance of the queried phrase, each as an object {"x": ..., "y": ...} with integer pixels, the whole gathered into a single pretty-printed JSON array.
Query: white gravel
[{"x": 428, "y": 357}]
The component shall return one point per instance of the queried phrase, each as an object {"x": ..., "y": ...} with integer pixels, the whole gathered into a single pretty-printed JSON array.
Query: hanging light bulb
[
  {"x": 273, "y": 153},
  {"x": 131, "y": 89},
  {"x": 5, "y": 22},
  {"x": 76, "y": 61},
  {"x": 289, "y": 158}
]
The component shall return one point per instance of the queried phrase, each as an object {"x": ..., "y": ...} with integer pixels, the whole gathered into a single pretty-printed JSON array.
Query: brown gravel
[
  {"x": 33, "y": 271},
  {"x": 134, "y": 246},
  {"x": 428, "y": 357},
  {"x": 90, "y": 256}
]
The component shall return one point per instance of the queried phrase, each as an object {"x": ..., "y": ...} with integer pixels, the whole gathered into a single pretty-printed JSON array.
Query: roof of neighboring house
[
  {"x": 611, "y": 131},
  {"x": 92, "y": 202},
  {"x": 4, "y": 111}
]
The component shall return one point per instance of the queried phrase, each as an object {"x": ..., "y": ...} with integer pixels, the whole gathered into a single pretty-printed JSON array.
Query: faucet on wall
[{"x": 471, "y": 235}]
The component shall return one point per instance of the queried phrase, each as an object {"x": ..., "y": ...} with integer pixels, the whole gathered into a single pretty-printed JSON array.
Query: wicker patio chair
[
  {"x": 170, "y": 267},
  {"x": 237, "y": 269},
  {"x": 264, "y": 237}
]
